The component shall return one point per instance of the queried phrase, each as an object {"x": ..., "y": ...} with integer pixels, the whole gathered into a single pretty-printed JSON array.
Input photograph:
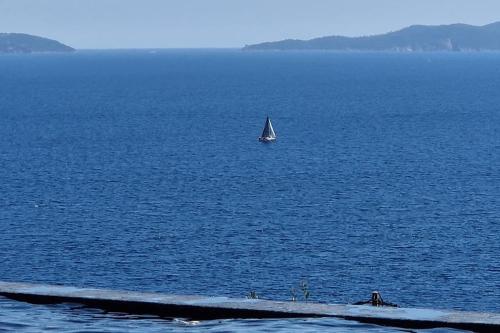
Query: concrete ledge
[{"x": 198, "y": 307}]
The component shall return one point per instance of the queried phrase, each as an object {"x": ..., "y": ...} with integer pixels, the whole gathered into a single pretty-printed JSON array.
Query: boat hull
[{"x": 267, "y": 139}]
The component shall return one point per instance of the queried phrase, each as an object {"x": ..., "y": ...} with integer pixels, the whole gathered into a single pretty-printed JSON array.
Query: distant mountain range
[
  {"x": 24, "y": 43},
  {"x": 417, "y": 38}
]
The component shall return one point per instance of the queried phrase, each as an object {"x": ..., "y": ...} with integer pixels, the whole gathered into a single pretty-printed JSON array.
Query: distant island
[
  {"x": 24, "y": 43},
  {"x": 416, "y": 38}
]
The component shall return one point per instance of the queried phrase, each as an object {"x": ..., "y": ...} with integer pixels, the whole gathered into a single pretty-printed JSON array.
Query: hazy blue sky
[{"x": 226, "y": 23}]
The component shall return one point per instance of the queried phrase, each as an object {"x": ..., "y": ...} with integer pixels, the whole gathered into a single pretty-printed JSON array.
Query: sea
[{"x": 142, "y": 170}]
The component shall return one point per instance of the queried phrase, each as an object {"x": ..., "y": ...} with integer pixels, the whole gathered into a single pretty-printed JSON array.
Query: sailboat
[{"x": 268, "y": 134}]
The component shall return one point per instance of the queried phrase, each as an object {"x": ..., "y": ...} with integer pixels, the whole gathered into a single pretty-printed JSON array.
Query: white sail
[{"x": 271, "y": 130}]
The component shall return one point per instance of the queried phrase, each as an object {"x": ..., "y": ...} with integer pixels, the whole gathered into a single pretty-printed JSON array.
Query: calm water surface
[{"x": 142, "y": 171}]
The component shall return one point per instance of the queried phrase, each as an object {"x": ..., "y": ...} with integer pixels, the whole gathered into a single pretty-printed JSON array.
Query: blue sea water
[{"x": 141, "y": 170}]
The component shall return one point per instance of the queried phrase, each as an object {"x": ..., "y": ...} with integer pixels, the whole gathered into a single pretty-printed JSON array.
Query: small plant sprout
[{"x": 305, "y": 290}]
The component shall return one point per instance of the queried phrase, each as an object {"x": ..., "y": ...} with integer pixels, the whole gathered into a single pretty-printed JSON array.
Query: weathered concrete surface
[{"x": 197, "y": 307}]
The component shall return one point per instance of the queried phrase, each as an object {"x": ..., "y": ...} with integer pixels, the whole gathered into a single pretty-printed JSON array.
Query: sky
[{"x": 104, "y": 24}]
